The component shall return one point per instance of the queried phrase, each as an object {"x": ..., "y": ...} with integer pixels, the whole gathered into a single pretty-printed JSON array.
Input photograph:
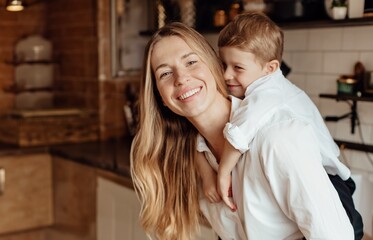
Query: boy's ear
[{"x": 272, "y": 66}]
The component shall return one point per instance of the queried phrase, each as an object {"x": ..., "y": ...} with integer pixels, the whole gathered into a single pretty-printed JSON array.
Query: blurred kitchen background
[{"x": 69, "y": 75}]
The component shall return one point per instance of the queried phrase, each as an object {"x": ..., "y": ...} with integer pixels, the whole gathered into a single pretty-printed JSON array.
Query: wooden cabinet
[
  {"x": 79, "y": 202},
  {"x": 26, "y": 200}
]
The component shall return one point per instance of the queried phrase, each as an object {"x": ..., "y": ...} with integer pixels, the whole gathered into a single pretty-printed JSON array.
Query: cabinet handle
[{"x": 2, "y": 180}]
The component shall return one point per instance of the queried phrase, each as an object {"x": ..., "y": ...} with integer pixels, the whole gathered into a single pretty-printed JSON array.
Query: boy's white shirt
[
  {"x": 280, "y": 200},
  {"x": 275, "y": 182},
  {"x": 280, "y": 188},
  {"x": 263, "y": 99}
]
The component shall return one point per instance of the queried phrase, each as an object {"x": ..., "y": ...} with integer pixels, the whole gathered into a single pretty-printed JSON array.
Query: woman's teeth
[{"x": 189, "y": 93}]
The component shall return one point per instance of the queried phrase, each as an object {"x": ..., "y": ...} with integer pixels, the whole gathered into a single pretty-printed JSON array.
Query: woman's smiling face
[{"x": 184, "y": 81}]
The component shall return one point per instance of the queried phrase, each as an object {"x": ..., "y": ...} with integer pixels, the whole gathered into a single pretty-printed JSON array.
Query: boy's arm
[
  {"x": 229, "y": 159},
  {"x": 208, "y": 176}
]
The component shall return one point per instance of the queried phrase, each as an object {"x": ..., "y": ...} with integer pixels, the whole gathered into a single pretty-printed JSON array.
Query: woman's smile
[{"x": 189, "y": 93}]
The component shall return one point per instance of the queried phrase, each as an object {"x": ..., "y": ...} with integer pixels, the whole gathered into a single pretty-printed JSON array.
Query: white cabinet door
[{"x": 117, "y": 212}]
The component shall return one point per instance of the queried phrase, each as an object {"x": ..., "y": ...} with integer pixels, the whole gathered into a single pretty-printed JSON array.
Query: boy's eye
[{"x": 238, "y": 67}]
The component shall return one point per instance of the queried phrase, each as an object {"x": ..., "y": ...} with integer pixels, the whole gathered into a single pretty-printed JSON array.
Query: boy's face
[{"x": 241, "y": 69}]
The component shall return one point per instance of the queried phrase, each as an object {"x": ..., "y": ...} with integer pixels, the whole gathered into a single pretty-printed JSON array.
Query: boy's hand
[
  {"x": 224, "y": 183},
  {"x": 210, "y": 191},
  {"x": 209, "y": 188}
]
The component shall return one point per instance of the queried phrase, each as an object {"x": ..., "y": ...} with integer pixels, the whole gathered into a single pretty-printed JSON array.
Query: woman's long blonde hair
[{"x": 163, "y": 150}]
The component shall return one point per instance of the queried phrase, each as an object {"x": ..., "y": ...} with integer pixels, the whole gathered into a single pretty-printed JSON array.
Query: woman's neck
[{"x": 211, "y": 124}]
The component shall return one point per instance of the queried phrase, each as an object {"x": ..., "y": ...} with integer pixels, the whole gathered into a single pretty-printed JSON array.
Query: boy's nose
[{"x": 227, "y": 75}]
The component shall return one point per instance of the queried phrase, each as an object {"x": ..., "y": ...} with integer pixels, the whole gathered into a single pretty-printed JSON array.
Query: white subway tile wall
[{"x": 318, "y": 57}]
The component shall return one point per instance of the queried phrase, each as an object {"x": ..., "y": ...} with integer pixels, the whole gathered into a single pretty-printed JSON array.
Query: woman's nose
[{"x": 181, "y": 77}]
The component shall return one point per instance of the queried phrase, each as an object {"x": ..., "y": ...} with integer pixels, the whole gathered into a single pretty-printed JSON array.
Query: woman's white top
[{"x": 280, "y": 185}]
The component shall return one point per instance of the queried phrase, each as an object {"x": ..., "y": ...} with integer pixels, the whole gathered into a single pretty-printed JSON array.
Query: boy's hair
[{"x": 256, "y": 33}]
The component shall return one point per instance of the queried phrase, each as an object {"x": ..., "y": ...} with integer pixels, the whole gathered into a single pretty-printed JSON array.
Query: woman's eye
[
  {"x": 189, "y": 63},
  {"x": 165, "y": 74}
]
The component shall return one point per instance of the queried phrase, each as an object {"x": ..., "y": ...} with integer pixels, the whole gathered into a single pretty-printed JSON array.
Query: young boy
[{"x": 251, "y": 49}]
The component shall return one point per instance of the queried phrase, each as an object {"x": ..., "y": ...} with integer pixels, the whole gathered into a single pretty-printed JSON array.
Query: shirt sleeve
[
  {"x": 235, "y": 137},
  {"x": 247, "y": 117},
  {"x": 291, "y": 161}
]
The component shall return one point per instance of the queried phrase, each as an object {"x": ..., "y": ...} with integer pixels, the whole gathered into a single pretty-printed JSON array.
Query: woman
[
  {"x": 163, "y": 169},
  {"x": 182, "y": 99}
]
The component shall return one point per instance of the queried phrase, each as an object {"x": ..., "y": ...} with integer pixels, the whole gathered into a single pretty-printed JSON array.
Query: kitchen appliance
[{"x": 347, "y": 85}]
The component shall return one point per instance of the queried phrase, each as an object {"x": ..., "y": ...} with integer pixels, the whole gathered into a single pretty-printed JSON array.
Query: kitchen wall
[
  {"x": 318, "y": 57},
  {"x": 14, "y": 26},
  {"x": 80, "y": 34},
  {"x": 72, "y": 28}
]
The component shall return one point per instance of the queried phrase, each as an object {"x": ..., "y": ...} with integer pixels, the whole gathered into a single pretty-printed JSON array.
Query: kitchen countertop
[{"x": 112, "y": 155}]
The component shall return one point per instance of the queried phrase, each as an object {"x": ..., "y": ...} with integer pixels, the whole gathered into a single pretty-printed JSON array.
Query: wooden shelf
[
  {"x": 354, "y": 146},
  {"x": 326, "y": 23},
  {"x": 13, "y": 62},
  {"x": 347, "y": 97},
  {"x": 299, "y": 24}
]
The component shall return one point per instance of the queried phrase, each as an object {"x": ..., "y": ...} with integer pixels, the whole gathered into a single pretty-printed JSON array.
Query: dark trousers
[{"x": 345, "y": 190}]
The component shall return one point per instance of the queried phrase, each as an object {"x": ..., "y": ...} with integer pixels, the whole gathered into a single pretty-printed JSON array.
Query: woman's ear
[{"x": 272, "y": 66}]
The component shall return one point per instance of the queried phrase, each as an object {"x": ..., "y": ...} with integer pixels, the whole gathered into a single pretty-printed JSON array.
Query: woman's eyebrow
[
  {"x": 187, "y": 55},
  {"x": 182, "y": 57}
]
